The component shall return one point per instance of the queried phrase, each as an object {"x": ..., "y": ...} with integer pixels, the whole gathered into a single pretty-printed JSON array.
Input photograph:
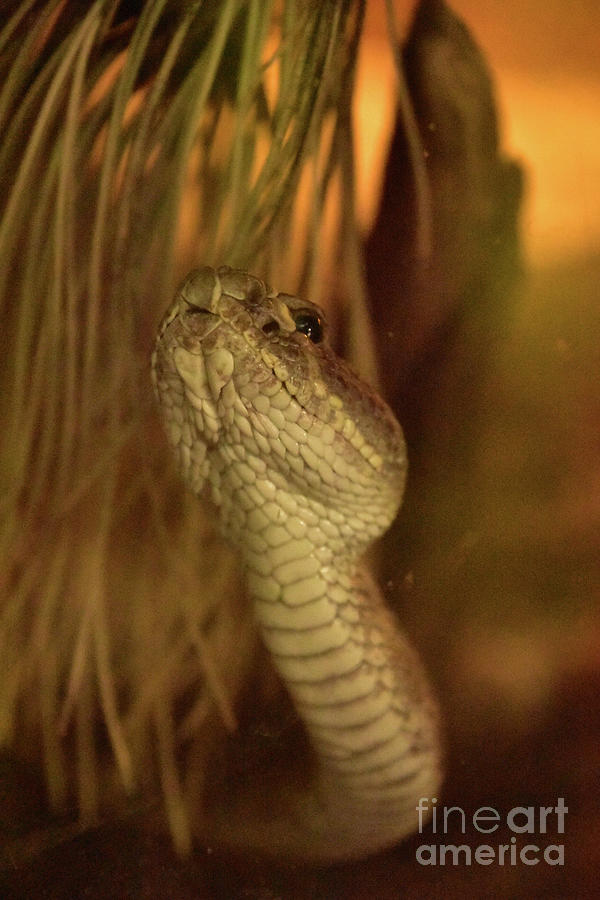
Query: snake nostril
[{"x": 270, "y": 327}]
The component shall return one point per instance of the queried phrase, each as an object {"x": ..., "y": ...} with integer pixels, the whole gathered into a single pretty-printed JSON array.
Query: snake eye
[{"x": 310, "y": 324}]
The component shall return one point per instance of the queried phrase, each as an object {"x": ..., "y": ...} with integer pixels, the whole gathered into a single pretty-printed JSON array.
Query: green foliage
[{"x": 138, "y": 139}]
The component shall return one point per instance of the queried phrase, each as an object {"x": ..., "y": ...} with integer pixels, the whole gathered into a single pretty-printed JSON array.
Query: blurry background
[
  {"x": 494, "y": 563},
  {"x": 547, "y": 66},
  {"x": 503, "y": 590}
]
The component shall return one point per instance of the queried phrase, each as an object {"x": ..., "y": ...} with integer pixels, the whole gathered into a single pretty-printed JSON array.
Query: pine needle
[{"x": 112, "y": 127}]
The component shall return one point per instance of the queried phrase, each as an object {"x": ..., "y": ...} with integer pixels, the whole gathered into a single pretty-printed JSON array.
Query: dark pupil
[{"x": 310, "y": 325}]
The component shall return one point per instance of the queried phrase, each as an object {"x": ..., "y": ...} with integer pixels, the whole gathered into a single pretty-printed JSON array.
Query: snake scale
[{"x": 306, "y": 467}]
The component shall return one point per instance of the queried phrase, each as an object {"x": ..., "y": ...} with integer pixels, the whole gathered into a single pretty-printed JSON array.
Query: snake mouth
[
  {"x": 195, "y": 310},
  {"x": 187, "y": 308}
]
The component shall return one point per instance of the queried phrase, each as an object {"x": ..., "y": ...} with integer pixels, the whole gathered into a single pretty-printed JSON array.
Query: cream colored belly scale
[{"x": 306, "y": 467}]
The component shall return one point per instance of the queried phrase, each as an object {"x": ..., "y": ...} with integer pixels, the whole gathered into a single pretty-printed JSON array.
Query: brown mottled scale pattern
[{"x": 306, "y": 467}]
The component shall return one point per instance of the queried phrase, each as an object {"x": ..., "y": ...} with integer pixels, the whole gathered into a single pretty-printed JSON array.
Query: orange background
[{"x": 545, "y": 61}]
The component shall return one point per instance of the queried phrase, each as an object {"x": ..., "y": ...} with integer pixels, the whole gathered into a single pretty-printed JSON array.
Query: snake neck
[{"x": 362, "y": 696}]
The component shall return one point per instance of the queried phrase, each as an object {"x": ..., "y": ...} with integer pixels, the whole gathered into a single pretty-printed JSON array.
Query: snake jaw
[{"x": 275, "y": 394}]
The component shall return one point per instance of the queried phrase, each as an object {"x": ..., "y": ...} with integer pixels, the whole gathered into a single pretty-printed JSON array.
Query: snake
[{"x": 304, "y": 466}]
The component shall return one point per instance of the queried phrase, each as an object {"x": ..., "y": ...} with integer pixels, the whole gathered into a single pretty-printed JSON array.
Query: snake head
[{"x": 261, "y": 410}]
